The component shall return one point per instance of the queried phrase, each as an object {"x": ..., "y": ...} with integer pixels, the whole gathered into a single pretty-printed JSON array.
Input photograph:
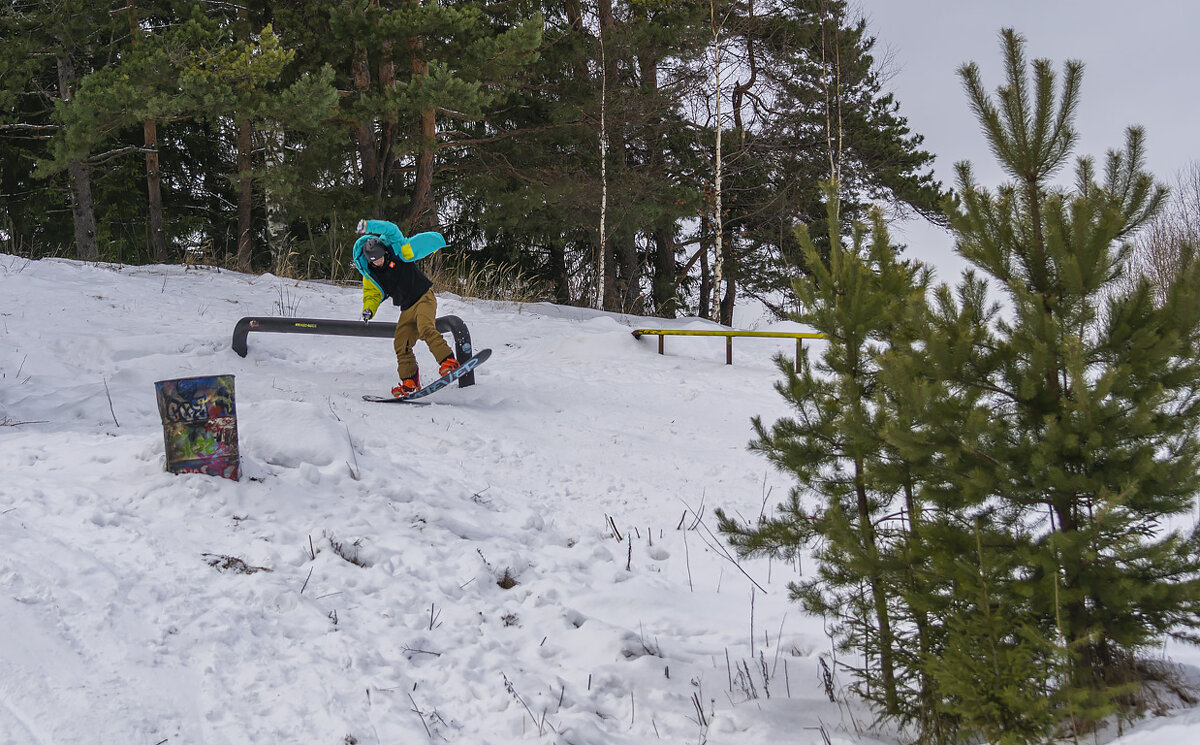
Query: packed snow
[{"x": 357, "y": 584}]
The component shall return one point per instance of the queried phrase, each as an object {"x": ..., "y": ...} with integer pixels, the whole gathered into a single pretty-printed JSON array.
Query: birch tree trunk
[
  {"x": 718, "y": 217},
  {"x": 728, "y": 265},
  {"x": 601, "y": 260},
  {"x": 833, "y": 101}
]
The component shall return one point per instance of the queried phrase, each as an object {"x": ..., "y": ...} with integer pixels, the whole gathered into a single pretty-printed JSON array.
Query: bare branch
[
  {"x": 30, "y": 127},
  {"x": 111, "y": 154}
]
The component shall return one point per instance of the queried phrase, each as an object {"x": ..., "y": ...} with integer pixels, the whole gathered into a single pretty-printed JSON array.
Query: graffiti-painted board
[{"x": 199, "y": 425}]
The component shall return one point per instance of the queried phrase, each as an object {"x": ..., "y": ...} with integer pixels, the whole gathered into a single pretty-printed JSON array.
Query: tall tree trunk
[
  {"x": 388, "y": 129},
  {"x": 83, "y": 212},
  {"x": 574, "y": 13},
  {"x": 158, "y": 238},
  {"x": 718, "y": 209},
  {"x": 929, "y": 721},
  {"x": 278, "y": 242},
  {"x": 662, "y": 292},
  {"x": 158, "y": 235},
  {"x": 727, "y": 298},
  {"x": 869, "y": 545},
  {"x": 364, "y": 132},
  {"x": 421, "y": 214},
  {"x": 706, "y": 231},
  {"x": 831, "y": 58},
  {"x": 245, "y": 244},
  {"x": 603, "y": 263},
  {"x": 245, "y": 144},
  {"x": 728, "y": 261},
  {"x": 87, "y": 246},
  {"x": 558, "y": 273},
  {"x": 621, "y": 265},
  {"x": 1072, "y": 618},
  {"x": 662, "y": 283},
  {"x": 575, "y": 23},
  {"x": 612, "y": 144}
]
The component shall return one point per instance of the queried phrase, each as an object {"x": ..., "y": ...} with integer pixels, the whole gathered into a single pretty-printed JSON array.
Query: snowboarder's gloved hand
[
  {"x": 367, "y": 314},
  {"x": 361, "y": 227}
]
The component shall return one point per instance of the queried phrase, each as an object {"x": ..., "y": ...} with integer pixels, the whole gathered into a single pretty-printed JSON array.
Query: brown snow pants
[{"x": 418, "y": 321}]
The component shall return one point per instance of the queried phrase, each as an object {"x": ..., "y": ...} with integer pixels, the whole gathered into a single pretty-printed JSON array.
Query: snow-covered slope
[{"x": 375, "y": 538}]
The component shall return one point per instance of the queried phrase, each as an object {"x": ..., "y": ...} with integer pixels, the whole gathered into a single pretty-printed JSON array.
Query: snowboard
[{"x": 437, "y": 385}]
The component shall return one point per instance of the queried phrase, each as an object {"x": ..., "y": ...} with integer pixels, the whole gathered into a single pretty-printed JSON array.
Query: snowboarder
[{"x": 379, "y": 255}]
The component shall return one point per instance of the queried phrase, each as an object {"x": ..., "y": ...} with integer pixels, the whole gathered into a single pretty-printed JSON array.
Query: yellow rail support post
[{"x": 799, "y": 336}]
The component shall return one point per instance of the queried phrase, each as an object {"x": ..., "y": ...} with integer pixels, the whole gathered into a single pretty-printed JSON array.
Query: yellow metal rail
[{"x": 799, "y": 336}]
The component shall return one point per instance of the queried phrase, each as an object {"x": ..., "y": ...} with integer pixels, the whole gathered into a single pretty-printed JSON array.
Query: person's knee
[{"x": 427, "y": 331}]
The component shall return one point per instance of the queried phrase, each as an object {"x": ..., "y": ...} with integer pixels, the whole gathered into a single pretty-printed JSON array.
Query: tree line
[{"x": 649, "y": 156}]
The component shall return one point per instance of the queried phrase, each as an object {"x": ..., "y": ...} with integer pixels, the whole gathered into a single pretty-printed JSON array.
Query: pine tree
[
  {"x": 860, "y": 298},
  {"x": 1084, "y": 398}
]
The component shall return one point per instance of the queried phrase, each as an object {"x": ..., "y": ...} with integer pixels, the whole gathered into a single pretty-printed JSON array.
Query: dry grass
[
  {"x": 488, "y": 281},
  {"x": 223, "y": 563},
  {"x": 501, "y": 282},
  {"x": 507, "y": 581}
]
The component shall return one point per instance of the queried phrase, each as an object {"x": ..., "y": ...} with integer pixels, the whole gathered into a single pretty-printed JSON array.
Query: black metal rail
[{"x": 337, "y": 327}]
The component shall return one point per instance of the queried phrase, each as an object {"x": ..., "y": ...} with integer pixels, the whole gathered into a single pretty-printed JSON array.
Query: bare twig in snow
[
  {"x": 417, "y": 710},
  {"x": 687, "y": 559},
  {"x": 355, "y": 471},
  {"x": 110, "y": 403},
  {"x": 613, "y": 525},
  {"x": 716, "y": 545},
  {"x": 542, "y": 723}
]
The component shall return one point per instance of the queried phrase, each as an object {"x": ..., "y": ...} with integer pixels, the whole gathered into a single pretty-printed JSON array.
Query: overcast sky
[{"x": 1142, "y": 66}]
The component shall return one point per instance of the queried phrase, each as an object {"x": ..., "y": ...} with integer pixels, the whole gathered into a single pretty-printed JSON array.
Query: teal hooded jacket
[{"x": 404, "y": 248}]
